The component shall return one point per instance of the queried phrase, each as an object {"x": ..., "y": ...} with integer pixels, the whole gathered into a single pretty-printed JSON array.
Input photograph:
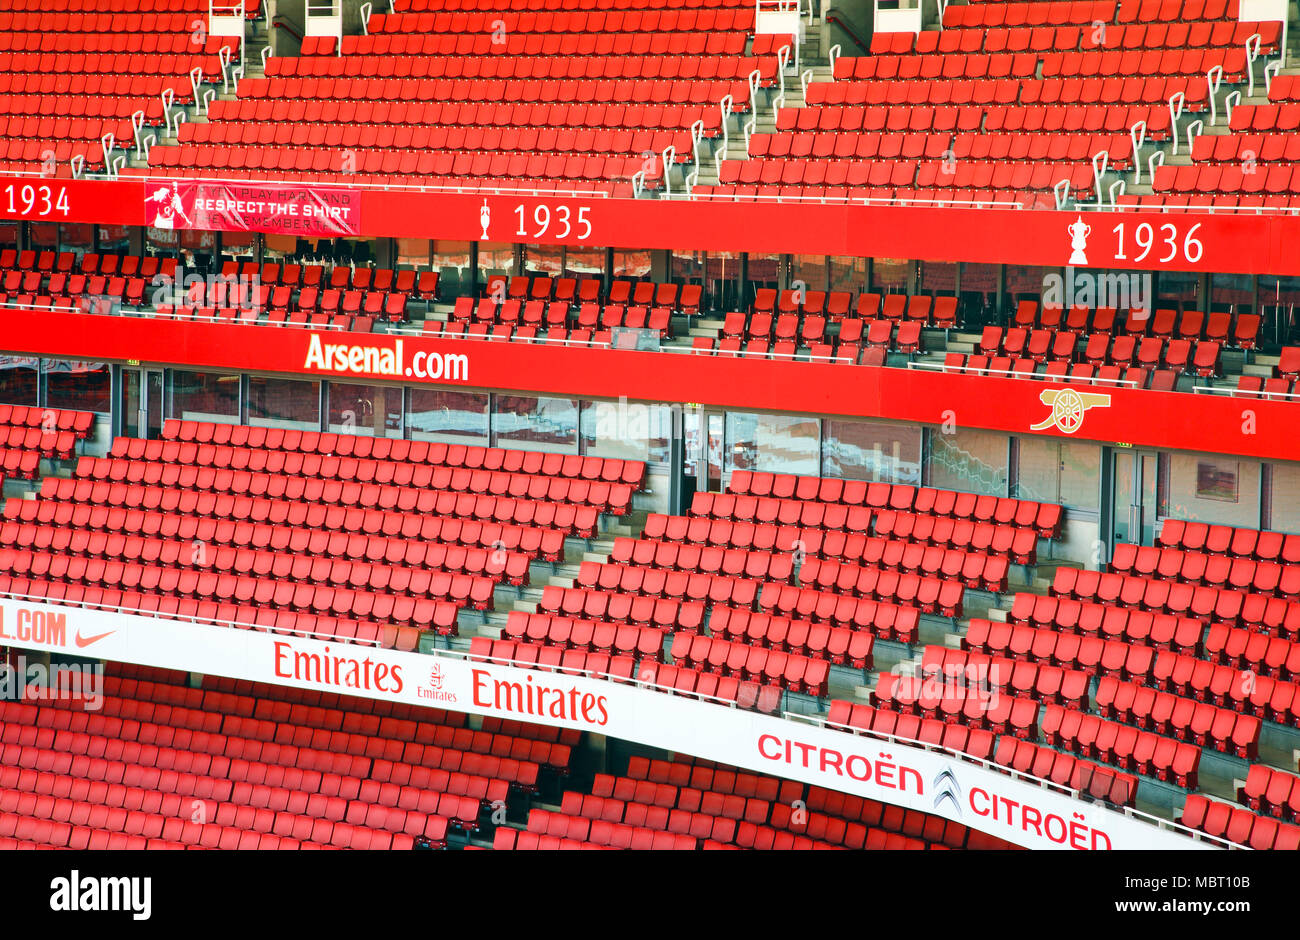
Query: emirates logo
[{"x": 435, "y": 676}]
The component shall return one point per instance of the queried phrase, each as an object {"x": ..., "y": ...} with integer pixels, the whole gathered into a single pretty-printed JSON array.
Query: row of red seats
[
  {"x": 477, "y": 101},
  {"x": 1185, "y": 718},
  {"x": 665, "y": 613},
  {"x": 973, "y": 741},
  {"x": 995, "y": 712},
  {"x": 599, "y": 339},
  {"x": 1272, "y": 656},
  {"x": 431, "y": 607},
  {"x": 1016, "y": 540},
  {"x": 1089, "y": 779},
  {"x": 1063, "y": 685},
  {"x": 840, "y": 645},
  {"x": 471, "y": 457},
  {"x": 1256, "y": 386},
  {"x": 1240, "y": 826},
  {"x": 656, "y": 582},
  {"x": 524, "y": 655},
  {"x": 976, "y": 570},
  {"x": 1162, "y": 380},
  {"x": 751, "y": 663},
  {"x": 1263, "y": 149},
  {"x": 524, "y": 123},
  {"x": 845, "y": 353},
  {"x": 1142, "y": 752},
  {"x": 1160, "y": 630},
  {"x": 898, "y": 497},
  {"x": 1189, "y": 567},
  {"x": 487, "y": 6},
  {"x": 1236, "y": 608},
  {"x": 519, "y": 23},
  {"x": 526, "y": 287},
  {"x": 297, "y": 623},
  {"x": 598, "y": 636},
  {"x": 539, "y": 313},
  {"x": 810, "y": 331},
  {"x": 253, "y": 316},
  {"x": 571, "y": 57},
  {"x": 49, "y": 420},
  {"x": 745, "y": 694},
  {"x": 282, "y": 524},
  {"x": 301, "y": 553},
  {"x": 832, "y": 813},
  {"x": 672, "y": 555},
  {"x": 401, "y": 163},
  {"x": 1271, "y": 791},
  {"x": 888, "y": 588},
  {"x": 562, "y": 501},
  {"x": 1275, "y": 179},
  {"x": 495, "y": 750},
  {"x": 1085, "y": 655},
  {"x": 1226, "y": 540}
]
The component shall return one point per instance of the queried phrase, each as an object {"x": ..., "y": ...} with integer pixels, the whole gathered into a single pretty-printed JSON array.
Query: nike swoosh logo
[{"x": 82, "y": 641}]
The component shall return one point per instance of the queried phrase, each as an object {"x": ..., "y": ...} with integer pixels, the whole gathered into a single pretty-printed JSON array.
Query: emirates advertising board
[{"x": 930, "y": 781}]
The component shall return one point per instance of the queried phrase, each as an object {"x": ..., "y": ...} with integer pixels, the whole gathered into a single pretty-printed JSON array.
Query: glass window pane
[
  {"x": 84, "y": 386},
  {"x": 631, "y": 263},
  {"x": 8, "y": 234},
  {"x": 1219, "y": 490},
  {"x": 413, "y": 252},
  {"x": 370, "y": 410},
  {"x": 1066, "y": 472},
  {"x": 536, "y": 423},
  {"x": 871, "y": 450},
  {"x": 80, "y": 237},
  {"x": 939, "y": 278},
  {"x": 18, "y": 379},
  {"x": 848, "y": 274},
  {"x": 1284, "y": 507},
  {"x": 772, "y": 443},
  {"x": 284, "y": 403},
  {"x": 447, "y": 416},
  {"x": 205, "y": 396},
  {"x": 811, "y": 269},
  {"x": 584, "y": 262},
  {"x": 890, "y": 276},
  {"x": 626, "y": 430},
  {"x": 543, "y": 259},
  {"x": 494, "y": 259},
  {"x": 969, "y": 460},
  {"x": 451, "y": 261},
  {"x": 722, "y": 279}
]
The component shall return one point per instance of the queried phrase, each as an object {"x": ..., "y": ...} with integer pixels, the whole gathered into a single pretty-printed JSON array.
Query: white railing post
[
  {"x": 1194, "y": 130},
  {"x": 1156, "y": 159},
  {"x": 669, "y": 156},
  {"x": 719, "y": 155},
  {"x": 752, "y": 123},
  {"x": 1275, "y": 66},
  {"x": 1138, "y": 135},
  {"x": 1213, "y": 78},
  {"x": 697, "y": 135},
  {"x": 1117, "y": 189},
  {"x": 1100, "y": 162},
  {"x": 1230, "y": 102},
  {"x": 1062, "y": 193},
  {"x": 782, "y": 59},
  {"x": 1252, "y": 53},
  {"x": 1176, "y": 103}
]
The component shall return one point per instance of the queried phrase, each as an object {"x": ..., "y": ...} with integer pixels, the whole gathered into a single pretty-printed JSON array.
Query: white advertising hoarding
[{"x": 912, "y": 777}]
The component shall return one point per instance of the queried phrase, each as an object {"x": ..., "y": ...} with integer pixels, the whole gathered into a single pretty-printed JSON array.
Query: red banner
[
  {"x": 248, "y": 207},
  {"x": 1173, "y": 420}
]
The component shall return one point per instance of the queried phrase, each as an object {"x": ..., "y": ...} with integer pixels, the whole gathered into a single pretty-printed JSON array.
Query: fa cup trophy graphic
[
  {"x": 485, "y": 218},
  {"x": 1079, "y": 231}
]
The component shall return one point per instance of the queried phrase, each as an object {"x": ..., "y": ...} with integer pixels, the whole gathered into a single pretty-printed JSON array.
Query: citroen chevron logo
[{"x": 947, "y": 788}]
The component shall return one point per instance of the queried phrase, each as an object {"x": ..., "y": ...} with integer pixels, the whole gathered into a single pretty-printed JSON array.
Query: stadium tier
[{"x": 543, "y": 424}]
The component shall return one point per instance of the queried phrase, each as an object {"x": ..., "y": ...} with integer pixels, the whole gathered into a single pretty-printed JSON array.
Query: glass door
[
  {"x": 142, "y": 403},
  {"x": 1136, "y": 500}
]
